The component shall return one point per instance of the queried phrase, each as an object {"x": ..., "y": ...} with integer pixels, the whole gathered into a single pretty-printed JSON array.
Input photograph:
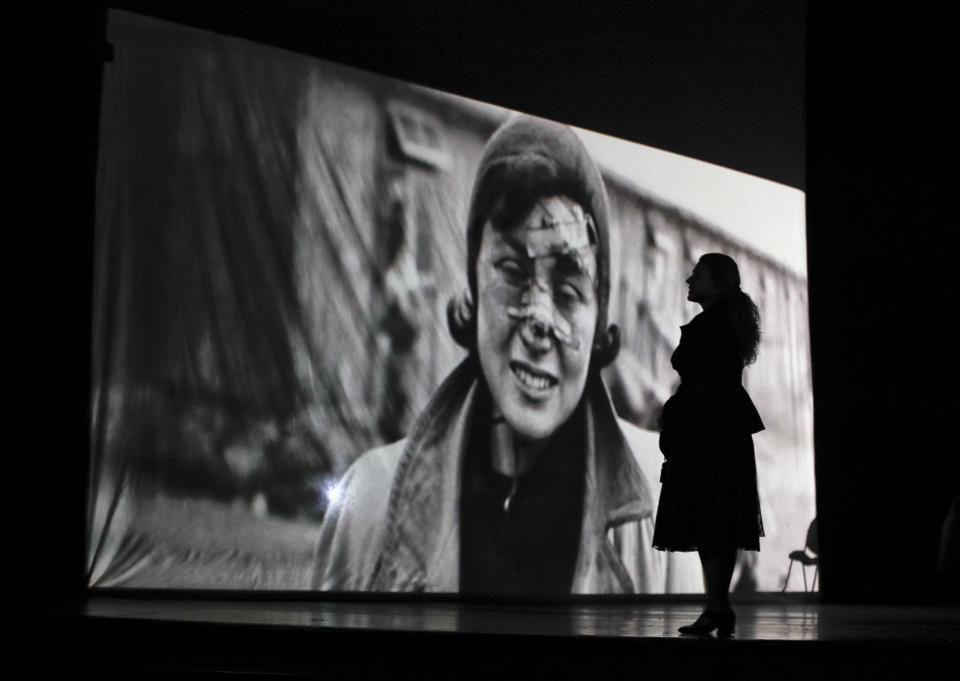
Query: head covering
[{"x": 528, "y": 159}]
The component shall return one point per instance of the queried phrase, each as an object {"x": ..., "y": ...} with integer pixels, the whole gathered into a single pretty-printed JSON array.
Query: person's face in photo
[
  {"x": 700, "y": 285},
  {"x": 537, "y": 314}
]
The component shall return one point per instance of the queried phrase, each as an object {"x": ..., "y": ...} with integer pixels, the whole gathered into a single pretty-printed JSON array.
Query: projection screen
[{"x": 277, "y": 241}]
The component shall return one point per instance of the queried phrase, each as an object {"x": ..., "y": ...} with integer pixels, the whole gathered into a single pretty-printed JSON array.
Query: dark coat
[
  {"x": 396, "y": 525},
  {"x": 709, "y": 494},
  {"x": 711, "y": 394}
]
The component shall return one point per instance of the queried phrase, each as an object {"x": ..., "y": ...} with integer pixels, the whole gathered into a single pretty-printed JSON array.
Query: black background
[{"x": 862, "y": 91}]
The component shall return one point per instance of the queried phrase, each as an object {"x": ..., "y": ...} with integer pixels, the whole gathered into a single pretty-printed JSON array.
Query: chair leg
[
  {"x": 816, "y": 571},
  {"x": 787, "y": 579},
  {"x": 804, "y": 569}
]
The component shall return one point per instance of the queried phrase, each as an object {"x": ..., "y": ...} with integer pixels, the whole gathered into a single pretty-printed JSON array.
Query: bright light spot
[{"x": 334, "y": 493}]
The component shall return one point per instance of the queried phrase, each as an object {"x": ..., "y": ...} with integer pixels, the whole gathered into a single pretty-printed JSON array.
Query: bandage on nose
[{"x": 540, "y": 317}]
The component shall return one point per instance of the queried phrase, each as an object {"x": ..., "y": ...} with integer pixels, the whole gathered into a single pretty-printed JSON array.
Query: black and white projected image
[{"x": 278, "y": 240}]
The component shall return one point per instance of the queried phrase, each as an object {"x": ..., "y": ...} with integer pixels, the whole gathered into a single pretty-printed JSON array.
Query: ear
[
  {"x": 461, "y": 320},
  {"x": 606, "y": 346}
]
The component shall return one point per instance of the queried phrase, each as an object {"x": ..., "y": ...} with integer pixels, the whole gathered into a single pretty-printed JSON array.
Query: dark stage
[
  {"x": 860, "y": 96},
  {"x": 778, "y": 637}
]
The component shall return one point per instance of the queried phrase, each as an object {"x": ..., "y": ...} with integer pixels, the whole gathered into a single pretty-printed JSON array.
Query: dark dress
[{"x": 709, "y": 496}]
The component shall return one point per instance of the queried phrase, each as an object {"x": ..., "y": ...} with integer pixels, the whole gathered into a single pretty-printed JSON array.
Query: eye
[
  {"x": 512, "y": 268},
  {"x": 567, "y": 293}
]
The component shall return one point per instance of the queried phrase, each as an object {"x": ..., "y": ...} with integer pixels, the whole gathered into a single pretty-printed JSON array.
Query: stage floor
[
  {"x": 778, "y": 637},
  {"x": 783, "y": 618}
]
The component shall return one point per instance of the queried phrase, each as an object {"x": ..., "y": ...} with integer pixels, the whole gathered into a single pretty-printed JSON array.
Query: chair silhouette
[{"x": 801, "y": 556}]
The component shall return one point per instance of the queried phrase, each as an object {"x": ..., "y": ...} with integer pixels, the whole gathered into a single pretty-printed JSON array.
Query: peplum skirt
[{"x": 709, "y": 495}]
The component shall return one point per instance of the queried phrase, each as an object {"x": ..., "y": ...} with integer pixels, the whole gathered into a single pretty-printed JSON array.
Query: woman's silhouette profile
[{"x": 709, "y": 500}]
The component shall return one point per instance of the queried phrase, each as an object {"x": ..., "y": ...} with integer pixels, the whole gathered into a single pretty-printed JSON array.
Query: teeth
[{"x": 532, "y": 380}]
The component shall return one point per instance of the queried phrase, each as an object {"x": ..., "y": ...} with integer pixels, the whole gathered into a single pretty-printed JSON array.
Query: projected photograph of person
[
  {"x": 354, "y": 334},
  {"x": 517, "y": 477}
]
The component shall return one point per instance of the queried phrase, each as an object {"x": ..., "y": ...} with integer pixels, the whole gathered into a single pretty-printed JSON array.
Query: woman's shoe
[
  {"x": 707, "y": 622},
  {"x": 727, "y": 623},
  {"x": 721, "y": 620}
]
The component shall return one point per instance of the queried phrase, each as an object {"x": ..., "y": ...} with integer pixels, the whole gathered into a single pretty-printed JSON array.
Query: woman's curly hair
[{"x": 740, "y": 308}]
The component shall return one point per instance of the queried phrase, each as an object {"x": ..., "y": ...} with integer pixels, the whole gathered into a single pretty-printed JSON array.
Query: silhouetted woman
[{"x": 709, "y": 501}]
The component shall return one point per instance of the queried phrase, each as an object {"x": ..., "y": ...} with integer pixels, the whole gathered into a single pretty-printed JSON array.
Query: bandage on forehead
[
  {"x": 570, "y": 234},
  {"x": 537, "y": 307}
]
